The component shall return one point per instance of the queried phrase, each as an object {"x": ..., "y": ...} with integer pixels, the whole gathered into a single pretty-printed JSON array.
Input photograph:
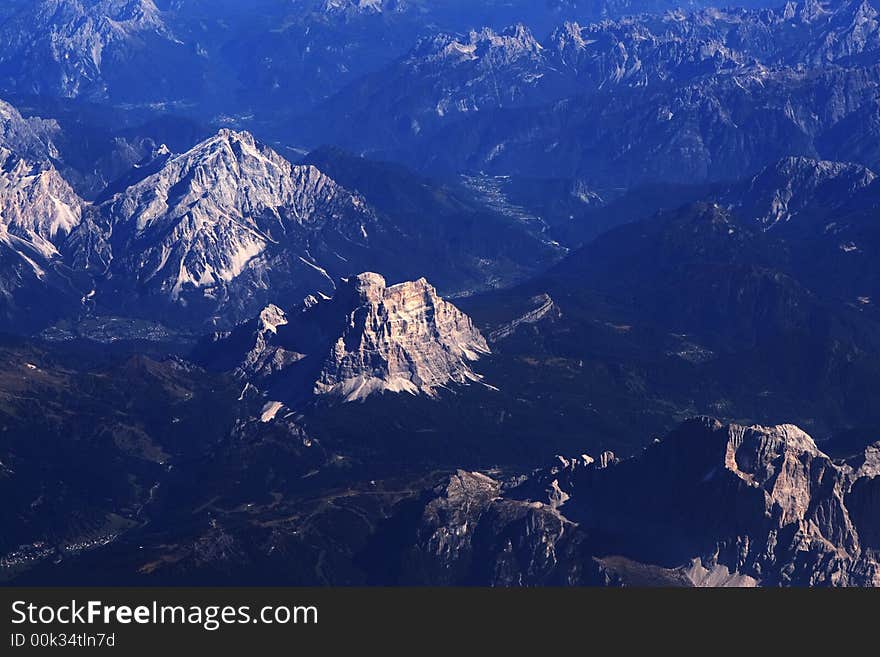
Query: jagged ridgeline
[
  {"x": 679, "y": 97},
  {"x": 368, "y": 338},
  {"x": 210, "y": 236},
  {"x": 710, "y": 505}
]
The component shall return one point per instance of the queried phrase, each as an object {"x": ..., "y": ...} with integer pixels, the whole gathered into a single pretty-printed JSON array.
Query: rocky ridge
[
  {"x": 28, "y": 138},
  {"x": 705, "y": 95},
  {"x": 38, "y": 213},
  {"x": 711, "y": 504},
  {"x": 798, "y": 186},
  {"x": 69, "y": 40},
  {"x": 368, "y": 338},
  {"x": 206, "y": 232},
  {"x": 212, "y": 235},
  {"x": 399, "y": 338},
  {"x": 215, "y": 217}
]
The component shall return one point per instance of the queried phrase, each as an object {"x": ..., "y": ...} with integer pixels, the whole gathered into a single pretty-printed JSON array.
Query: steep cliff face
[
  {"x": 711, "y": 504},
  {"x": 368, "y": 338},
  {"x": 863, "y": 499},
  {"x": 759, "y": 501},
  {"x": 400, "y": 338}
]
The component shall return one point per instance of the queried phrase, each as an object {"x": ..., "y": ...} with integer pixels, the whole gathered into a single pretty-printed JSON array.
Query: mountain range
[
  {"x": 710, "y": 505},
  {"x": 222, "y": 59},
  {"x": 712, "y": 95},
  {"x": 405, "y": 292},
  {"x": 211, "y": 235}
]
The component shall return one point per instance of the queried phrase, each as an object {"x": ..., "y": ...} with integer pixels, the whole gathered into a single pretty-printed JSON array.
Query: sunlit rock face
[
  {"x": 38, "y": 212},
  {"x": 401, "y": 337},
  {"x": 368, "y": 338},
  {"x": 219, "y": 225}
]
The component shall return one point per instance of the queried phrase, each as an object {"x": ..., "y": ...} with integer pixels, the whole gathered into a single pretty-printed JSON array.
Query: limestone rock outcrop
[{"x": 370, "y": 337}]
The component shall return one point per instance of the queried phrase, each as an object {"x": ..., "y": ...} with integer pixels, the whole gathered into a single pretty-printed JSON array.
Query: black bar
[{"x": 386, "y": 618}]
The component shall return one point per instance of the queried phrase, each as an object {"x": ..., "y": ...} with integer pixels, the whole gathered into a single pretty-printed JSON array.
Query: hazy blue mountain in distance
[
  {"x": 679, "y": 98},
  {"x": 220, "y": 61}
]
